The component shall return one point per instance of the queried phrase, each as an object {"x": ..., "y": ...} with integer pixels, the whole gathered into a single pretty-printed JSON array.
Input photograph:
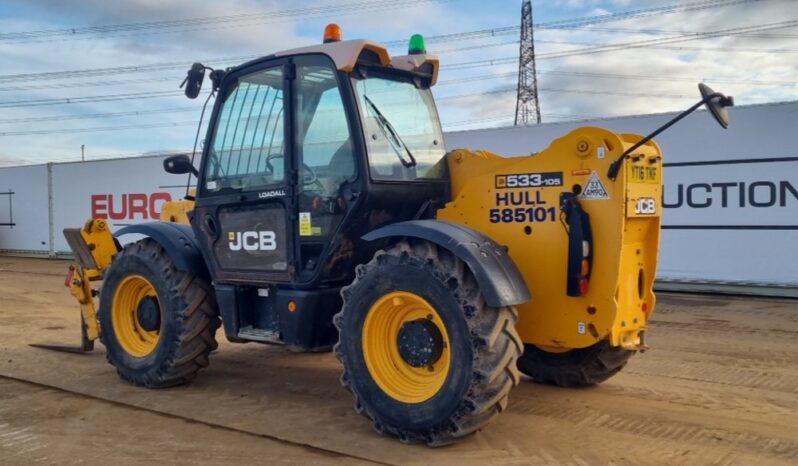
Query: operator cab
[{"x": 308, "y": 150}]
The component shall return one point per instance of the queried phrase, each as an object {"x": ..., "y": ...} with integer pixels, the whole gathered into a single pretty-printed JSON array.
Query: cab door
[{"x": 244, "y": 210}]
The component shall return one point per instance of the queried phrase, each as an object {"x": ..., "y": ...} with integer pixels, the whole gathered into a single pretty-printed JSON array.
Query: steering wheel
[
  {"x": 309, "y": 176},
  {"x": 269, "y": 166}
]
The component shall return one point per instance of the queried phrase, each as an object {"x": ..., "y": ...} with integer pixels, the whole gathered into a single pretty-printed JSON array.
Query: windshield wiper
[{"x": 388, "y": 129}]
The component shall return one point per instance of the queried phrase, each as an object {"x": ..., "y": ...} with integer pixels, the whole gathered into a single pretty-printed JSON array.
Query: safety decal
[
  {"x": 594, "y": 189},
  {"x": 304, "y": 224},
  {"x": 306, "y": 227}
]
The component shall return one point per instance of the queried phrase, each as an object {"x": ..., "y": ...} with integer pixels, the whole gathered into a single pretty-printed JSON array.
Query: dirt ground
[{"x": 719, "y": 386}]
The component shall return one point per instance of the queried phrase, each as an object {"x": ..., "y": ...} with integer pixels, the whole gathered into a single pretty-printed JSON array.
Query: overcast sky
[{"x": 756, "y": 67}]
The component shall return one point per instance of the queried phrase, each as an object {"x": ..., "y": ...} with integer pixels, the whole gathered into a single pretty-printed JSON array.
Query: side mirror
[
  {"x": 179, "y": 165},
  {"x": 717, "y": 104},
  {"x": 193, "y": 81}
]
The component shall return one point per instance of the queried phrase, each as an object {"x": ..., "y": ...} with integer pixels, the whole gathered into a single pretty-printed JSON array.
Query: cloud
[{"x": 575, "y": 86}]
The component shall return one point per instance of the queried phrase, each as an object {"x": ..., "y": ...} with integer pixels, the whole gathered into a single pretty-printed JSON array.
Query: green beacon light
[{"x": 416, "y": 46}]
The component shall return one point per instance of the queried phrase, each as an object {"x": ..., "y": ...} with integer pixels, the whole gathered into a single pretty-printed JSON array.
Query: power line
[
  {"x": 575, "y": 23},
  {"x": 627, "y": 45},
  {"x": 96, "y": 115},
  {"x": 469, "y": 48},
  {"x": 88, "y": 99},
  {"x": 636, "y": 77},
  {"x": 509, "y": 119},
  {"x": 75, "y": 157},
  {"x": 663, "y": 32},
  {"x": 559, "y": 72},
  {"x": 205, "y": 23},
  {"x": 569, "y": 91},
  {"x": 118, "y": 82},
  {"x": 671, "y": 40},
  {"x": 483, "y": 33},
  {"x": 47, "y": 75},
  {"x": 445, "y": 98},
  {"x": 99, "y": 128}
]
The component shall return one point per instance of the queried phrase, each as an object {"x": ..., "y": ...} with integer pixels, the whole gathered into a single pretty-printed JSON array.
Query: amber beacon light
[{"x": 332, "y": 33}]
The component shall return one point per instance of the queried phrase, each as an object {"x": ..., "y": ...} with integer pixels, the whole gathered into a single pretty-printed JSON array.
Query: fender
[
  {"x": 497, "y": 275},
  {"x": 177, "y": 239}
]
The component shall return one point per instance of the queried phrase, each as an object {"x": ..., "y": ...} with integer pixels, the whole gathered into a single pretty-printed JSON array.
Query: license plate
[{"x": 644, "y": 174}]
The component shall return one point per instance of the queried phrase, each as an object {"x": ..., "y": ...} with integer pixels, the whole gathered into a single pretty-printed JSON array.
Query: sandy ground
[{"x": 719, "y": 386}]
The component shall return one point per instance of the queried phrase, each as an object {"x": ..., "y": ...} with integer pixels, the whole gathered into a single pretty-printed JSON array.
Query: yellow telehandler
[{"x": 328, "y": 215}]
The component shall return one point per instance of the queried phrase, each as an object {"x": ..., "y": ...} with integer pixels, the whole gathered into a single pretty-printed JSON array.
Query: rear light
[{"x": 580, "y": 248}]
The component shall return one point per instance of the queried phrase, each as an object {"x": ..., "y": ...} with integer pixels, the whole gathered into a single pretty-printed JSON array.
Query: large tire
[
  {"x": 575, "y": 368},
  {"x": 481, "y": 346},
  {"x": 182, "y": 318}
]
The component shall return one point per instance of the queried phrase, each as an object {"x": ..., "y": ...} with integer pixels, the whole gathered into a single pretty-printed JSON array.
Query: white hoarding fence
[
  {"x": 730, "y": 197},
  {"x": 125, "y": 192},
  {"x": 24, "y": 209}
]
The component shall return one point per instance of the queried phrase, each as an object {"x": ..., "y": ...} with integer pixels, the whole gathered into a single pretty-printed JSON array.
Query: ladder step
[{"x": 259, "y": 334}]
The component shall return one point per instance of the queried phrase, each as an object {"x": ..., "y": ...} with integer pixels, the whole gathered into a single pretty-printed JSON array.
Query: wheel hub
[
  {"x": 420, "y": 342},
  {"x": 148, "y": 314}
]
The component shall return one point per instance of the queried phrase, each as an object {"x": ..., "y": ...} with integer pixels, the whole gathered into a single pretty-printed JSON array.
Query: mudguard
[
  {"x": 178, "y": 241},
  {"x": 497, "y": 275}
]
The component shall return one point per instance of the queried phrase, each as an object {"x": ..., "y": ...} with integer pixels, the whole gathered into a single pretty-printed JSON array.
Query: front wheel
[
  {"x": 580, "y": 367},
  {"x": 157, "y": 323},
  {"x": 424, "y": 356}
]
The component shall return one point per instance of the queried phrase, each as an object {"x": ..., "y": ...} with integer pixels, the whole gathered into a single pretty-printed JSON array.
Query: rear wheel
[
  {"x": 157, "y": 323},
  {"x": 575, "y": 368},
  {"x": 424, "y": 356}
]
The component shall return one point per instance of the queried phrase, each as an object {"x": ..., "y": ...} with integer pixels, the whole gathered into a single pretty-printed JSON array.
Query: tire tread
[{"x": 497, "y": 346}]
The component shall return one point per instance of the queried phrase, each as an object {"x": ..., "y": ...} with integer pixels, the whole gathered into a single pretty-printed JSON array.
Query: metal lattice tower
[{"x": 527, "y": 106}]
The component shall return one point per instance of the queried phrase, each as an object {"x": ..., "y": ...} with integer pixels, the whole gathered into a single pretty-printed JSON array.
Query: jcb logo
[
  {"x": 646, "y": 206},
  {"x": 252, "y": 240}
]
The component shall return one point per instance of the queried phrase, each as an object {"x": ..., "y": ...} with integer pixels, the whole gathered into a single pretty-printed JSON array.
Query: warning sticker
[
  {"x": 305, "y": 228},
  {"x": 594, "y": 189}
]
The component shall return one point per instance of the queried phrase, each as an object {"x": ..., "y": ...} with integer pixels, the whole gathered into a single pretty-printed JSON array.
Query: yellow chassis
[{"x": 486, "y": 197}]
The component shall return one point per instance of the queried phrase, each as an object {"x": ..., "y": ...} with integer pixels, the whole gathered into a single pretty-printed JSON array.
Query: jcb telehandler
[{"x": 328, "y": 214}]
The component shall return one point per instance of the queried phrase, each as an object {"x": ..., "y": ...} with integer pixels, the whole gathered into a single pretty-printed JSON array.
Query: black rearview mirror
[
  {"x": 715, "y": 102},
  {"x": 179, "y": 165},
  {"x": 193, "y": 81},
  {"x": 716, "y": 105}
]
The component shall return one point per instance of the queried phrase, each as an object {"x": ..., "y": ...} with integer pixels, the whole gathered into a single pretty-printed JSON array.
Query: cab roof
[{"x": 346, "y": 53}]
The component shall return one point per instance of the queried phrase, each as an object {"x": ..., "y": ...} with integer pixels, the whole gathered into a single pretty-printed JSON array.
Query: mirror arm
[{"x": 615, "y": 166}]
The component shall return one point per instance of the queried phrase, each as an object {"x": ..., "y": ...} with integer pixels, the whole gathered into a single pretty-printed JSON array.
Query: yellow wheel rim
[
  {"x": 133, "y": 338},
  {"x": 395, "y": 376}
]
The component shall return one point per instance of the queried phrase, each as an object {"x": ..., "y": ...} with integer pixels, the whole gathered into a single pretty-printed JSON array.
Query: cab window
[
  {"x": 403, "y": 133},
  {"x": 248, "y": 144},
  {"x": 326, "y": 158},
  {"x": 324, "y": 141}
]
